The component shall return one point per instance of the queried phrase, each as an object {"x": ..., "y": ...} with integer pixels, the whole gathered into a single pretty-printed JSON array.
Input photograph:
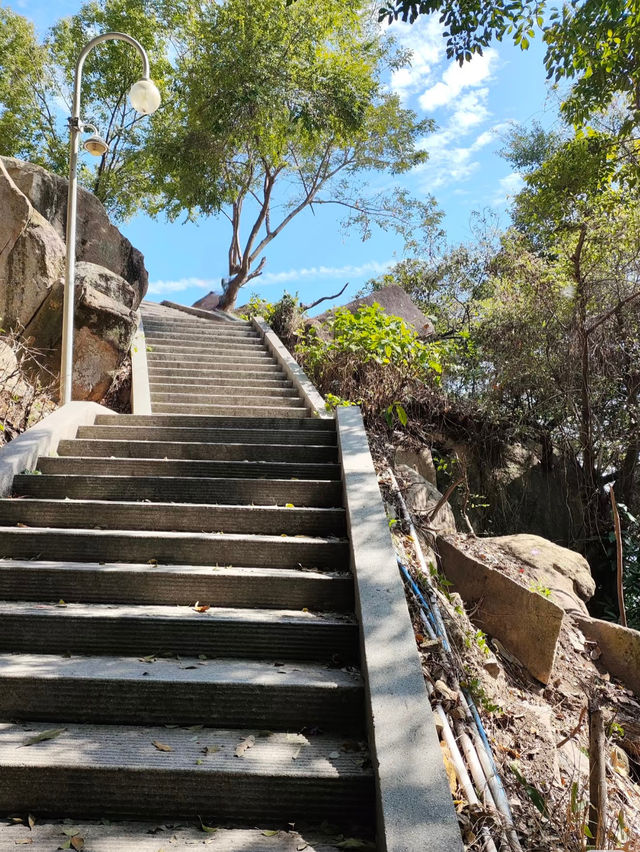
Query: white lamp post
[{"x": 145, "y": 98}]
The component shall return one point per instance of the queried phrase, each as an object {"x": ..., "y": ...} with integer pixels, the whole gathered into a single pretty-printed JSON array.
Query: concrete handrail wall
[
  {"x": 312, "y": 399},
  {"x": 414, "y": 805},
  {"x": 43, "y": 438},
  {"x": 140, "y": 390}
]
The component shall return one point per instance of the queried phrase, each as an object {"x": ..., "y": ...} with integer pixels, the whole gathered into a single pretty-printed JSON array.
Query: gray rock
[
  {"x": 620, "y": 648},
  {"x": 98, "y": 241},
  {"x": 422, "y": 497},
  {"x": 31, "y": 255},
  {"x": 420, "y": 460},
  {"x": 526, "y": 623},
  {"x": 563, "y": 571},
  {"x": 104, "y": 325}
]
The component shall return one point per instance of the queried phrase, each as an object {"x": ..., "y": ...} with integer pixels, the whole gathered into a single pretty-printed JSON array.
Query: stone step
[
  {"x": 197, "y": 324},
  {"x": 227, "y": 398},
  {"x": 174, "y": 548},
  {"x": 210, "y": 358},
  {"x": 174, "y": 585},
  {"x": 188, "y": 408},
  {"x": 213, "y": 422},
  {"x": 213, "y": 350},
  {"x": 263, "y": 374},
  {"x": 199, "y": 341},
  {"x": 192, "y": 451},
  {"x": 174, "y": 433},
  {"x": 232, "y": 389},
  {"x": 245, "y": 382},
  {"x": 231, "y": 370},
  {"x": 186, "y": 468},
  {"x": 202, "y": 337},
  {"x": 182, "y": 517},
  {"x": 188, "y": 691},
  {"x": 180, "y": 489},
  {"x": 121, "y": 836},
  {"x": 140, "y": 631},
  {"x": 116, "y": 771}
]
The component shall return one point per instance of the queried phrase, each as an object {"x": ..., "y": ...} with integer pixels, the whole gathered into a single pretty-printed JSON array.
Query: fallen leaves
[
  {"x": 42, "y": 736},
  {"x": 161, "y": 746},
  {"x": 198, "y": 607},
  {"x": 244, "y": 746}
]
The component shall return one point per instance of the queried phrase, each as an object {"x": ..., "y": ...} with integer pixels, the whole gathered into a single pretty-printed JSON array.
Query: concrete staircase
[
  {"x": 177, "y": 637},
  {"x": 197, "y": 366}
]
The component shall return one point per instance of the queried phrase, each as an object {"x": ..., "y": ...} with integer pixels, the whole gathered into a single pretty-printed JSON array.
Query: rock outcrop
[
  {"x": 97, "y": 240},
  {"x": 565, "y": 573},
  {"x": 110, "y": 277}
]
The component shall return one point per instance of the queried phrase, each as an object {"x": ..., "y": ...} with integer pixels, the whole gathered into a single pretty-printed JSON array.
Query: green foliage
[
  {"x": 479, "y": 695},
  {"x": 369, "y": 356},
  {"x": 471, "y": 26},
  {"x": 595, "y": 43},
  {"x": 22, "y": 63},
  {"x": 479, "y": 638},
  {"x": 36, "y": 78},
  {"x": 534, "y": 794},
  {"x": 540, "y": 589},
  {"x": 282, "y": 106}
]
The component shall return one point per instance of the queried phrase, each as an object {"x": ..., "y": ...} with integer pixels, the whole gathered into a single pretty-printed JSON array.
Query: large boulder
[
  {"x": 422, "y": 498},
  {"x": 98, "y": 241},
  {"x": 31, "y": 255},
  {"x": 105, "y": 322},
  {"x": 110, "y": 278},
  {"x": 525, "y": 622},
  {"x": 564, "y": 572}
]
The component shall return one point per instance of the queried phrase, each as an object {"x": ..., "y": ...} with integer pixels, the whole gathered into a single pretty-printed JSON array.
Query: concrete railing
[
  {"x": 140, "y": 390},
  {"x": 312, "y": 399},
  {"x": 42, "y": 439},
  {"x": 414, "y": 805}
]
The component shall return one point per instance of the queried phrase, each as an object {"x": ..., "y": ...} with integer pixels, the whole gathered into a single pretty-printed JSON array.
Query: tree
[
  {"x": 22, "y": 62},
  {"x": 36, "y": 79},
  {"x": 594, "y": 44},
  {"x": 282, "y": 109}
]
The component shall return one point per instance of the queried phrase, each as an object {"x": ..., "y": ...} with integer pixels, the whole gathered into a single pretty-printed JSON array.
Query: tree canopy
[{"x": 282, "y": 108}]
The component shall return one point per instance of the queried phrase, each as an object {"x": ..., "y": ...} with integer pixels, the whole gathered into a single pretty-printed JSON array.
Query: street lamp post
[{"x": 145, "y": 99}]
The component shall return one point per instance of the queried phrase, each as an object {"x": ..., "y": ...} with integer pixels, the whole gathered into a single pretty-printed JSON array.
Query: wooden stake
[
  {"x": 597, "y": 775},
  {"x": 619, "y": 558}
]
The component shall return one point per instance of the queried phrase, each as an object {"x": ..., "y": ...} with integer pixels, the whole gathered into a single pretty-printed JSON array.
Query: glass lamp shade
[
  {"x": 144, "y": 97},
  {"x": 96, "y": 145}
]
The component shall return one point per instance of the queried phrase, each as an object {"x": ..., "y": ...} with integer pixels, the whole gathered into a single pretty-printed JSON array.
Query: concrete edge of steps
[
  {"x": 414, "y": 804},
  {"x": 150, "y": 837}
]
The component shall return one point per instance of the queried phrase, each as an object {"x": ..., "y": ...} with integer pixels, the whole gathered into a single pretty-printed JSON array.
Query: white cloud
[
  {"x": 161, "y": 288},
  {"x": 374, "y": 267},
  {"x": 456, "y": 79},
  {"x": 448, "y": 161},
  {"x": 508, "y": 186},
  {"x": 424, "y": 40}
]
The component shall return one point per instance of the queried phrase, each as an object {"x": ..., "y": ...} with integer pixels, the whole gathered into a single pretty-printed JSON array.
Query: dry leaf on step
[
  {"x": 45, "y": 735},
  {"x": 244, "y": 745},
  {"x": 161, "y": 746},
  {"x": 449, "y": 767}
]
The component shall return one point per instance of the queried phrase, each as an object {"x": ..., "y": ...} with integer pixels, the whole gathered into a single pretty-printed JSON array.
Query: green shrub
[{"x": 368, "y": 356}]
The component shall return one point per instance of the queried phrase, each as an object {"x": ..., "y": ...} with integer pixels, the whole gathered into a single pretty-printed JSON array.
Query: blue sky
[{"x": 472, "y": 106}]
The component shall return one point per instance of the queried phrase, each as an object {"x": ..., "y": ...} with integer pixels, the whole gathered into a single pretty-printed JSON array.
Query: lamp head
[
  {"x": 144, "y": 97},
  {"x": 96, "y": 145}
]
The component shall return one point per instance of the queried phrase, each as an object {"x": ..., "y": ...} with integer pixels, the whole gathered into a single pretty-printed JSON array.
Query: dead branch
[
  {"x": 575, "y": 730},
  {"x": 619, "y": 558},
  {"x": 444, "y": 499},
  {"x": 324, "y": 299},
  {"x": 597, "y": 775}
]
